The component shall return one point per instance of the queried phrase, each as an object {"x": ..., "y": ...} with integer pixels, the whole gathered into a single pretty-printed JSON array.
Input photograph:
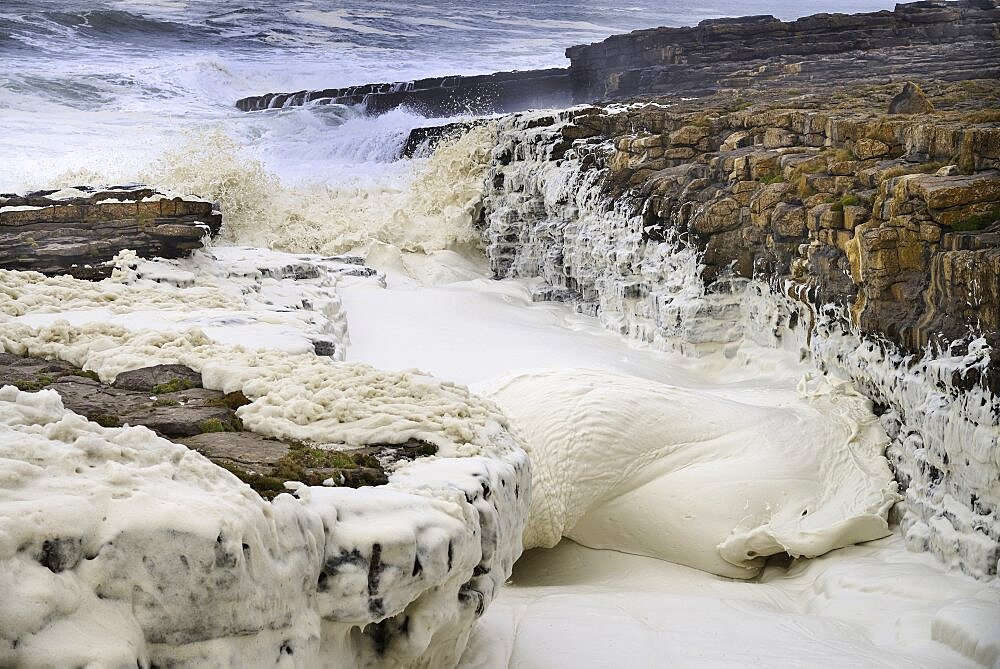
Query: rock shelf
[{"x": 77, "y": 231}]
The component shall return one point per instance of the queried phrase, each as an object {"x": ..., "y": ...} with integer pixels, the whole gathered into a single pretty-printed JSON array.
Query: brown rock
[
  {"x": 866, "y": 148},
  {"x": 718, "y": 217},
  {"x": 775, "y": 138},
  {"x": 911, "y": 100},
  {"x": 789, "y": 220},
  {"x": 944, "y": 192},
  {"x": 689, "y": 135},
  {"x": 80, "y": 235}
]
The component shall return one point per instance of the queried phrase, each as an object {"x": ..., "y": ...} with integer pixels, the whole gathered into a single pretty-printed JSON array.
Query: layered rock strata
[
  {"x": 437, "y": 96},
  {"x": 874, "y": 239},
  {"x": 934, "y": 39},
  {"x": 942, "y": 40},
  {"x": 77, "y": 231}
]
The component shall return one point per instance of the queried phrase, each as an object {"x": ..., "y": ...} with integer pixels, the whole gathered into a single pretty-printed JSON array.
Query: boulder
[
  {"x": 159, "y": 378},
  {"x": 911, "y": 100}
]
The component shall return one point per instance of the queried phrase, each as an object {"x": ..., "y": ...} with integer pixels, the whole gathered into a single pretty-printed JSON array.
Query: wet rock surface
[
  {"x": 421, "y": 141},
  {"x": 896, "y": 219},
  {"x": 78, "y": 231},
  {"x": 437, "y": 96},
  {"x": 169, "y": 400},
  {"x": 265, "y": 464}
]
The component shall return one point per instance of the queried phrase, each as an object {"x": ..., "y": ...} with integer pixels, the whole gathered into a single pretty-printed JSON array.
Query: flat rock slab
[
  {"x": 267, "y": 463},
  {"x": 173, "y": 414},
  {"x": 77, "y": 231},
  {"x": 32, "y": 374}
]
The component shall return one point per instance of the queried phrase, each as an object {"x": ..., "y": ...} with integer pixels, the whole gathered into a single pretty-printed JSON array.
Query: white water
[{"x": 873, "y": 605}]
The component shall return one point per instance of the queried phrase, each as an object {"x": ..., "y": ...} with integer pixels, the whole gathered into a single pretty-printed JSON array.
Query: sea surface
[{"x": 102, "y": 90}]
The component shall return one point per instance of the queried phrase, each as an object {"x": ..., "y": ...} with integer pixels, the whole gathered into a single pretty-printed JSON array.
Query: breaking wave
[{"x": 421, "y": 205}]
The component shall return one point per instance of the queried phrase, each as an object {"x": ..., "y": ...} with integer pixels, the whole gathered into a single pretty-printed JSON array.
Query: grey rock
[
  {"x": 147, "y": 378},
  {"x": 911, "y": 100}
]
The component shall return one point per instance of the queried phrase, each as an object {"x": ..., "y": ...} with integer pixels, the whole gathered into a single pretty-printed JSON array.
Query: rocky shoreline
[
  {"x": 77, "y": 231},
  {"x": 871, "y": 242},
  {"x": 848, "y": 164},
  {"x": 950, "y": 40},
  {"x": 833, "y": 191}
]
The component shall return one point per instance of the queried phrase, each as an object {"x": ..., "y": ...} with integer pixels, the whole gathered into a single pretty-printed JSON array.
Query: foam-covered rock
[
  {"x": 664, "y": 247},
  {"x": 161, "y": 557}
]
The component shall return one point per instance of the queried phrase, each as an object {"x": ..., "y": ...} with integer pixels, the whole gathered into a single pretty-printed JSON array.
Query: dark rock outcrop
[
  {"x": 422, "y": 140},
  {"x": 267, "y": 463},
  {"x": 78, "y": 234},
  {"x": 926, "y": 40},
  {"x": 911, "y": 100},
  {"x": 437, "y": 96}
]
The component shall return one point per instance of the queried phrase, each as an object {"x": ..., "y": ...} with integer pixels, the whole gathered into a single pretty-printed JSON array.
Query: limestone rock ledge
[
  {"x": 660, "y": 215},
  {"x": 77, "y": 231},
  {"x": 436, "y": 96},
  {"x": 933, "y": 39}
]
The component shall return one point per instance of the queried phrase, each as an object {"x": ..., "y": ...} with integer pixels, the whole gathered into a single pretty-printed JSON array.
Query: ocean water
[{"x": 99, "y": 91}]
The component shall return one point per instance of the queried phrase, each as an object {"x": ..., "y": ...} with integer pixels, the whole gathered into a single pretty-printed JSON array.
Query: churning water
[{"x": 144, "y": 89}]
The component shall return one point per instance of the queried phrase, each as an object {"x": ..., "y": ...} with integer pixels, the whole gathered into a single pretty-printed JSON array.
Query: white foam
[
  {"x": 119, "y": 547},
  {"x": 868, "y": 605},
  {"x": 686, "y": 476}
]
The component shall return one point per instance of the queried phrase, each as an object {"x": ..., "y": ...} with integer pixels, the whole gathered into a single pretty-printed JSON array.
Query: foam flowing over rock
[
  {"x": 161, "y": 557},
  {"x": 698, "y": 230},
  {"x": 651, "y": 469},
  {"x": 937, "y": 422}
]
